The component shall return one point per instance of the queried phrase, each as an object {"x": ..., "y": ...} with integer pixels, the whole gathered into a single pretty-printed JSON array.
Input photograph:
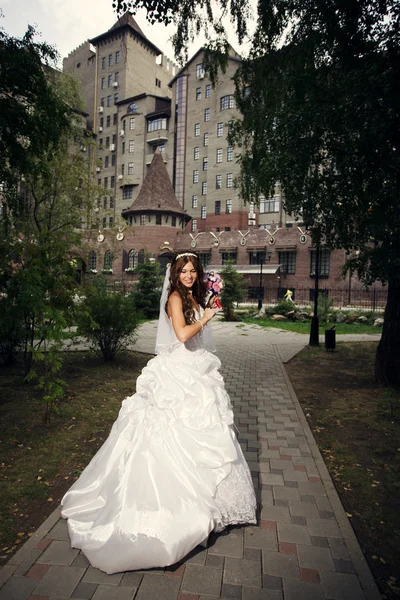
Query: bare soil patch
[{"x": 356, "y": 424}]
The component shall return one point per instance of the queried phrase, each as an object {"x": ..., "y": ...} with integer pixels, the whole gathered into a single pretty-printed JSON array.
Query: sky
[{"x": 66, "y": 24}]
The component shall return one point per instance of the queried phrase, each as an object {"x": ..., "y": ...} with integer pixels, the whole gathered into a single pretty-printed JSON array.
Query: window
[
  {"x": 101, "y": 122},
  {"x": 197, "y": 130},
  {"x": 100, "y": 143},
  {"x": 103, "y": 62},
  {"x": 208, "y": 90},
  {"x": 287, "y": 261},
  {"x": 108, "y": 100},
  {"x": 113, "y": 160},
  {"x": 195, "y": 176},
  {"x": 220, "y": 129},
  {"x": 229, "y": 153},
  {"x": 198, "y": 93},
  {"x": 131, "y": 123},
  {"x": 228, "y": 207},
  {"x": 131, "y": 146},
  {"x": 99, "y": 182},
  {"x": 131, "y": 258},
  {"x": 229, "y": 180},
  {"x": 108, "y": 260},
  {"x": 324, "y": 262},
  {"x": 117, "y": 57},
  {"x": 270, "y": 205},
  {"x": 107, "y": 142},
  {"x": 111, "y": 221},
  {"x": 102, "y": 102},
  {"x": 196, "y": 153},
  {"x": 122, "y": 169},
  {"x": 116, "y": 77},
  {"x": 106, "y": 161},
  {"x": 207, "y": 114},
  {"x": 114, "y": 118},
  {"x": 156, "y": 124},
  {"x": 103, "y": 83},
  {"x": 219, "y": 155},
  {"x": 112, "y": 181},
  {"x": 110, "y": 60},
  {"x": 227, "y": 102},
  {"x": 205, "y": 258},
  {"x": 158, "y": 219},
  {"x": 110, "y": 80},
  {"x": 158, "y": 83},
  {"x": 111, "y": 202},
  {"x": 218, "y": 207},
  {"x": 130, "y": 168},
  {"x": 104, "y": 222},
  {"x": 92, "y": 261},
  {"x": 115, "y": 98},
  {"x": 142, "y": 219},
  {"x": 108, "y": 121},
  {"x": 127, "y": 193},
  {"x": 205, "y": 139},
  {"x": 194, "y": 224},
  {"x": 203, "y": 212},
  {"x": 204, "y": 188},
  {"x": 205, "y": 164},
  {"x": 227, "y": 228},
  {"x": 229, "y": 257},
  {"x": 195, "y": 200},
  {"x": 105, "y": 182},
  {"x": 173, "y": 221},
  {"x": 161, "y": 148},
  {"x": 123, "y": 148},
  {"x": 218, "y": 182},
  {"x": 200, "y": 71},
  {"x": 255, "y": 258},
  {"x": 105, "y": 203}
]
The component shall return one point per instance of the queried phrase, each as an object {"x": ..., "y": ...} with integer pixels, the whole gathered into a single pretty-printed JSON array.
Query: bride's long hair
[{"x": 199, "y": 289}]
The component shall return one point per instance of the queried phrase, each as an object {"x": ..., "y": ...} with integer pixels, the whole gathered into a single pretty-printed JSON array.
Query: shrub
[
  {"x": 147, "y": 293},
  {"x": 282, "y": 308},
  {"x": 233, "y": 291},
  {"x": 107, "y": 319}
]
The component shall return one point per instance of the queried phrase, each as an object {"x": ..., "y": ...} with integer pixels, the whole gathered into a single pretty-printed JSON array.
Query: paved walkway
[{"x": 304, "y": 547}]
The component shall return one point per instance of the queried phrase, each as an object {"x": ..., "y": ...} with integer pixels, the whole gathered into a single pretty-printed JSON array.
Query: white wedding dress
[{"x": 170, "y": 472}]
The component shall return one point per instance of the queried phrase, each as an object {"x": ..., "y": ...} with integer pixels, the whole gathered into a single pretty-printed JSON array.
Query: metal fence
[{"x": 372, "y": 299}]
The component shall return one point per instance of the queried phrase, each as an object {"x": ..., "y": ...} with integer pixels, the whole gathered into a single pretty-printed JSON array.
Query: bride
[{"x": 171, "y": 470}]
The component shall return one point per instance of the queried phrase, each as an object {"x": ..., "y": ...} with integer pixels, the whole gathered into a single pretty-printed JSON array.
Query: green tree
[
  {"x": 320, "y": 103},
  {"x": 147, "y": 293},
  {"x": 233, "y": 291}
]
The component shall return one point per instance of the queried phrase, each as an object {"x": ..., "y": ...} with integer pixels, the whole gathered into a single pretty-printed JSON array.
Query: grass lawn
[
  {"x": 359, "y": 438},
  {"x": 40, "y": 462},
  {"x": 304, "y": 327}
]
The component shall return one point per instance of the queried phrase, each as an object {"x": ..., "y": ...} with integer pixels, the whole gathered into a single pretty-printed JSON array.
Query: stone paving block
[
  {"x": 131, "y": 579},
  {"x": 158, "y": 587},
  {"x": 264, "y": 467},
  {"x": 199, "y": 580},
  {"x": 344, "y": 566},
  {"x": 264, "y": 539},
  {"x": 296, "y": 534},
  {"x": 252, "y": 554},
  {"x": 231, "y": 592},
  {"x": 242, "y": 572},
  {"x": 281, "y": 464},
  {"x": 228, "y": 544},
  {"x": 267, "y": 498},
  {"x": 18, "y": 588},
  {"x": 341, "y": 586},
  {"x": 196, "y": 556},
  {"x": 108, "y": 592},
  {"x": 312, "y": 557},
  {"x": 60, "y": 531},
  {"x": 276, "y": 513},
  {"x": 321, "y": 542},
  {"x": 323, "y": 527},
  {"x": 300, "y": 590},
  {"x": 58, "y": 553},
  {"x": 286, "y": 493},
  {"x": 298, "y": 476},
  {"x": 280, "y": 565},
  {"x": 271, "y": 479},
  {"x": 93, "y": 575},
  {"x": 290, "y": 452},
  {"x": 6, "y": 572},
  {"x": 299, "y": 520},
  {"x": 303, "y": 509},
  {"x": 28, "y": 561},
  {"x": 255, "y": 594},
  {"x": 84, "y": 591},
  {"x": 59, "y": 581},
  {"x": 213, "y": 560},
  {"x": 81, "y": 561},
  {"x": 339, "y": 549},
  {"x": 323, "y": 503},
  {"x": 313, "y": 489}
]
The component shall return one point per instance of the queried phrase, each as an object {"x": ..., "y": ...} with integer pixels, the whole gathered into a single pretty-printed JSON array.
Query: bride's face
[{"x": 188, "y": 275}]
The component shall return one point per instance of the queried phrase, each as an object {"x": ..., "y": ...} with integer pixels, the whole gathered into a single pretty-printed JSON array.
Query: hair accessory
[{"x": 185, "y": 254}]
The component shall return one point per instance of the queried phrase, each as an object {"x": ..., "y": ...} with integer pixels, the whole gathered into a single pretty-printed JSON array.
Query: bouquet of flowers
[{"x": 214, "y": 283}]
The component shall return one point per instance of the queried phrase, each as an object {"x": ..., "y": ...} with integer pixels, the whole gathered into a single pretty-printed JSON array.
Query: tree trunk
[{"x": 387, "y": 362}]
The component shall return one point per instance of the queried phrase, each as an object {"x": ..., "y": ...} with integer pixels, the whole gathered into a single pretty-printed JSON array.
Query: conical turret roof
[{"x": 157, "y": 193}]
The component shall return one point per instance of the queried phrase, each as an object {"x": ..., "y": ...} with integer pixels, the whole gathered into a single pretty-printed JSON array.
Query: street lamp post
[
  {"x": 260, "y": 291},
  {"x": 314, "y": 331}
]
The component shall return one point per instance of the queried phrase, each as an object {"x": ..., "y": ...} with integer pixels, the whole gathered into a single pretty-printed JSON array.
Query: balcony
[
  {"x": 156, "y": 137},
  {"x": 149, "y": 157}
]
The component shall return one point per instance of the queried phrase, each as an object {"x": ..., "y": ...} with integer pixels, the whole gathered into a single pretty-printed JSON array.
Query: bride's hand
[
  {"x": 213, "y": 302},
  {"x": 209, "y": 313}
]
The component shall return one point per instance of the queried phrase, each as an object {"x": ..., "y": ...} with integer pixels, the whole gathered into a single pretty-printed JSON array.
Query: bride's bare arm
[{"x": 182, "y": 331}]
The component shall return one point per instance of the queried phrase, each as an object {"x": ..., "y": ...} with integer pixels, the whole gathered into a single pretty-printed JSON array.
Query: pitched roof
[
  {"x": 157, "y": 193},
  {"x": 126, "y": 22},
  {"x": 233, "y": 55}
]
